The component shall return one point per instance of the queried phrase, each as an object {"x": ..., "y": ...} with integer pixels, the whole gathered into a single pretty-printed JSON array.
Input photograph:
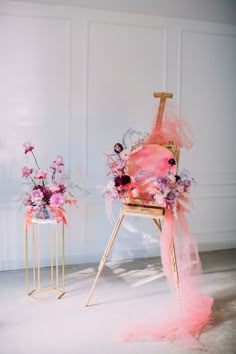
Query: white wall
[{"x": 74, "y": 80}]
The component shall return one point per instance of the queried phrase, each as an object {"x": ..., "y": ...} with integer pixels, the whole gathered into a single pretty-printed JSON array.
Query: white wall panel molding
[
  {"x": 209, "y": 197},
  {"x": 215, "y": 189},
  {"x": 217, "y": 231},
  {"x": 139, "y": 26},
  {"x": 216, "y": 239},
  {"x": 218, "y": 31}
]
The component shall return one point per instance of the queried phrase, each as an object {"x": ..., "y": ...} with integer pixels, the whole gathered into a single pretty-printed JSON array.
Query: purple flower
[
  {"x": 170, "y": 198},
  {"x": 117, "y": 181},
  {"x": 56, "y": 200},
  {"x": 118, "y": 148},
  {"x": 187, "y": 183},
  {"x": 162, "y": 182}
]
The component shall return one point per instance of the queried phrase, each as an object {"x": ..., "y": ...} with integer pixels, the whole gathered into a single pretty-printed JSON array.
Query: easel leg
[
  {"x": 106, "y": 254},
  {"x": 158, "y": 224}
]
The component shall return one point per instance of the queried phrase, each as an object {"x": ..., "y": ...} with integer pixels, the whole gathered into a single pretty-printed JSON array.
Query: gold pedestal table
[{"x": 56, "y": 281}]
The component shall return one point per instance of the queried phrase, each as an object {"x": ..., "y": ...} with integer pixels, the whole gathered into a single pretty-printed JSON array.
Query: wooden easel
[{"x": 136, "y": 208}]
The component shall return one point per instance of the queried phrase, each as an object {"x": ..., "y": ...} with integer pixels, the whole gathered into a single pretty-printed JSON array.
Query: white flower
[
  {"x": 158, "y": 198},
  {"x": 124, "y": 155},
  {"x": 135, "y": 193},
  {"x": 171, "y": 179},
  {"x": 110, "y": 184}
]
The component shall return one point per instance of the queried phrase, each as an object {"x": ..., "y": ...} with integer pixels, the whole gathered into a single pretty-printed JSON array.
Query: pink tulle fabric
[
  {"x": 171, "y": 129},
  {"x": 191, "y": 308}
]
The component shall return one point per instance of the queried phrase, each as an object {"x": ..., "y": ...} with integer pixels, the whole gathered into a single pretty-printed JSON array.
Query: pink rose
[
  {"x": 36, "y": 196},
  {"x": 26, "y": 171},
  {"x": 40, "y": 174},
  {"x": 28, "y": 146},
  {"x": 56, "y": 200}
]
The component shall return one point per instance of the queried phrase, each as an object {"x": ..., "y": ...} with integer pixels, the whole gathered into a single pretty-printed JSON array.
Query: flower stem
[
  {"x": 33, "y": 180},
  {"x": 35, "y": 160}
]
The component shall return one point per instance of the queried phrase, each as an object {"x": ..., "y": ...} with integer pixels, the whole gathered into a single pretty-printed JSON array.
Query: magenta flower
[
  {"x": 56, "y": 200},
  {"x": 56, "y": 165},
  {"x": 59, "y": 161},
  {"x": 46, "y": 195},
  {"x": 26, "y": 171},
  {"x": 28, "y": 147},
  {"x": 44, "y": 191},
  {"x": 62, "y": 188},
  {"x": 36, "y": 196},
  {"x": 40, "y": 174}
]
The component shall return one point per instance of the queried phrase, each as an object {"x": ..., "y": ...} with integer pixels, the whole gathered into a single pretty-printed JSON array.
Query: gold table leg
[{"x": 54, "y": 291}]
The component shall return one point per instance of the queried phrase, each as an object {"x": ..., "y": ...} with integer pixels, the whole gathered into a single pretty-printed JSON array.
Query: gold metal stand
[{"x": 57, "y": 283}]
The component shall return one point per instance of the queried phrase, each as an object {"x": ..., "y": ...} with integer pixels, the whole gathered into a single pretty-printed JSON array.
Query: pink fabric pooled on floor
[{"x": 191, "y": 308}]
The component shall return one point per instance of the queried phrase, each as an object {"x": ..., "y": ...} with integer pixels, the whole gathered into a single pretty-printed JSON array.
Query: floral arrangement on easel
[
  {"x": 48, "y": 193},
  {"x": 165, "y": 190}
]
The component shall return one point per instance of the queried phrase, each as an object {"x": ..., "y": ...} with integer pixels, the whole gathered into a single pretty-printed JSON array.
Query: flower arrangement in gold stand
[{"x": 48, "y": 192}]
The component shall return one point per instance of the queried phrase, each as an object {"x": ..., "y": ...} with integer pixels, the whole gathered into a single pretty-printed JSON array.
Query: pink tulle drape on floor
[{"x": 191, "y": 308}]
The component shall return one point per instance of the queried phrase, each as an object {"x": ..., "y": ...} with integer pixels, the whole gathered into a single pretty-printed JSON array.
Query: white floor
[{"x": 127, "y": 291}]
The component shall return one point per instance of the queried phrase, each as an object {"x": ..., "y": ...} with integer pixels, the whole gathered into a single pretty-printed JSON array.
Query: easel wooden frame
[{"x": 136, "y": 208}]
